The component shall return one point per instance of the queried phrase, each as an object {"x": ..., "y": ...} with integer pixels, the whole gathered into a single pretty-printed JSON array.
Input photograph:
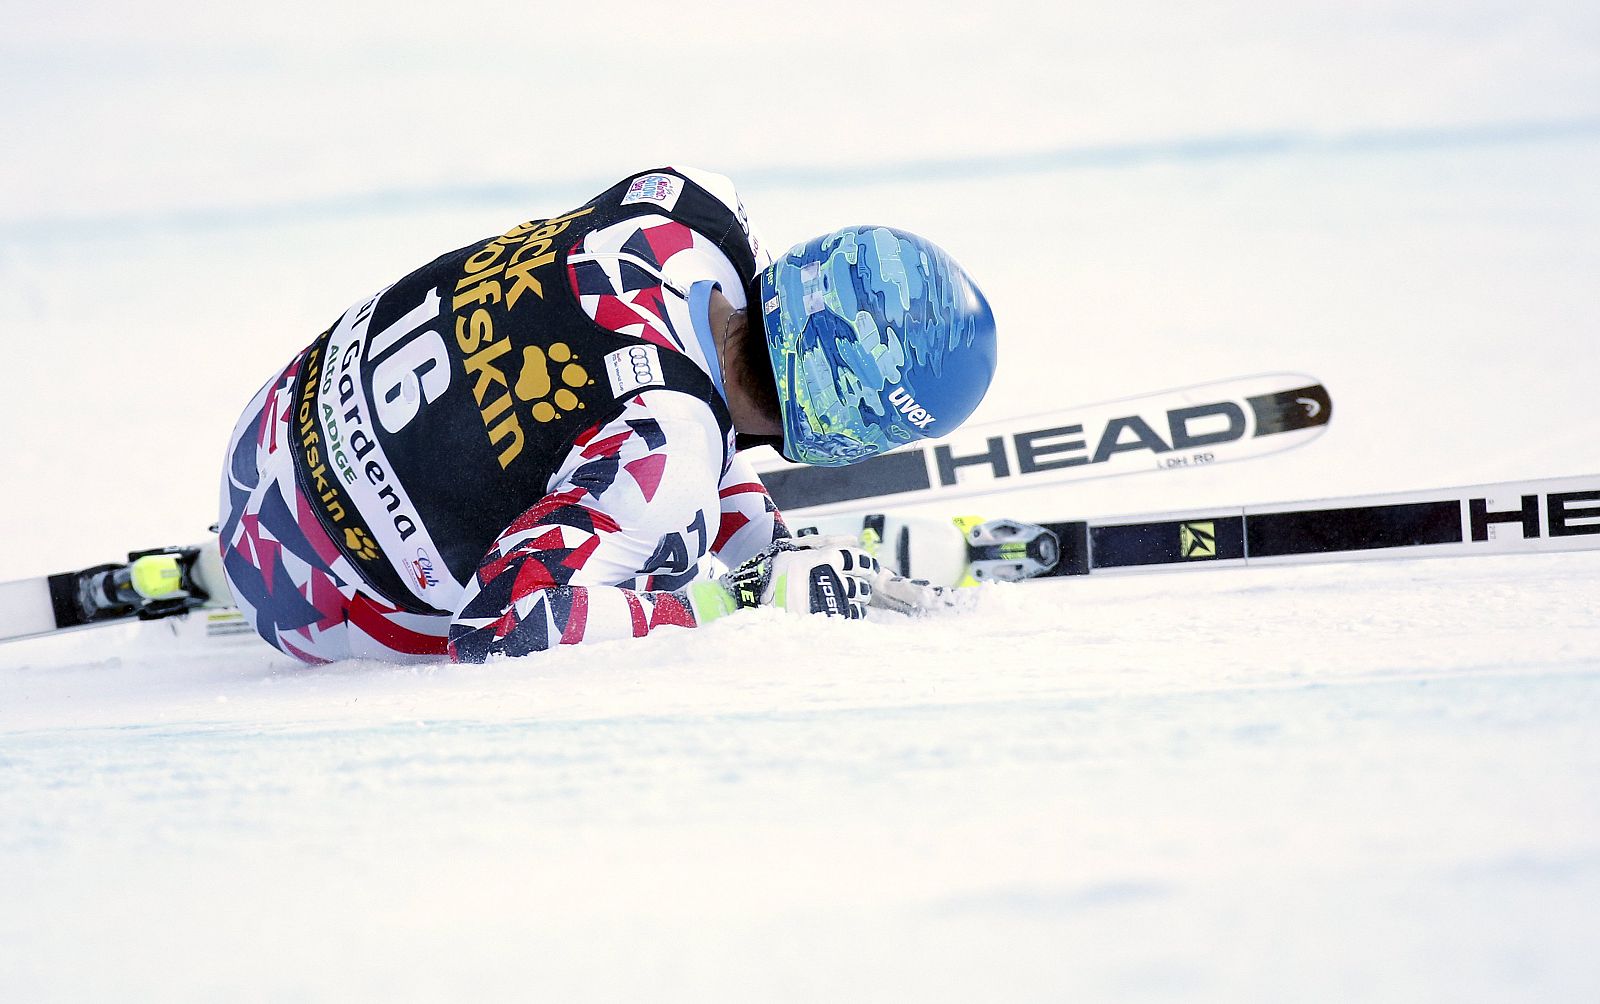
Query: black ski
[{"x": 1560, "y": 514}]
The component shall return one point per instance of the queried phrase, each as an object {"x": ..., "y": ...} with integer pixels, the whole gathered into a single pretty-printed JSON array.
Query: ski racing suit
[{"x": 521, "y": 444}]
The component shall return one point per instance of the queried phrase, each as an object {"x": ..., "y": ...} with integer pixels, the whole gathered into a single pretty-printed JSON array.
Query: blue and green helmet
[{"x": 877, "y": 338}]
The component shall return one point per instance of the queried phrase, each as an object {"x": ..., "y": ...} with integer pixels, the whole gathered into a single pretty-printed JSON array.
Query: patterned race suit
[{"x": 521, "y": 444}]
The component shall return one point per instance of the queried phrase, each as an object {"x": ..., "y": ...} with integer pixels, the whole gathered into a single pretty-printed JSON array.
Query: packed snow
[{"x": 1374, "y": 781}]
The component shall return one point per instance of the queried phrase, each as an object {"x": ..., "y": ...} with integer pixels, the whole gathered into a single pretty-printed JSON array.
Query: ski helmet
[{"x": 877, "y": 338}]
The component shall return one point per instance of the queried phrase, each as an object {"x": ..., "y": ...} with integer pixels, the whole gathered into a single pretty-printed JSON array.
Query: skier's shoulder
[
  {"x": 666, "y": 184},
  {"x": 660, "y": 438},
  {"x": 710, "y": 201},
  {"x": 663, "y": 421}
]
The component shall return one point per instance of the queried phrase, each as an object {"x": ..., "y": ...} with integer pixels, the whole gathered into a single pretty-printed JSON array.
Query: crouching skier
[{"x": 533, "y": 440}]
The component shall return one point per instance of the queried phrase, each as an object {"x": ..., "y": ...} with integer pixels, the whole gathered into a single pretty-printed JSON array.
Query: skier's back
[{"x": 532, "y": 440}]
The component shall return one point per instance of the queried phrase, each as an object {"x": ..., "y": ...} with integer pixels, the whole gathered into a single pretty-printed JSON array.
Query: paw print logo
[
  {"x": 539, "y": 376},
  {"x": 359, "y": 543}
]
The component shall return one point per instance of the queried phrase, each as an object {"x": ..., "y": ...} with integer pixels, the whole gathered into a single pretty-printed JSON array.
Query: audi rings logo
[
  {"x": 639, "y": 359},
  {"x": 633, "y": 368}
]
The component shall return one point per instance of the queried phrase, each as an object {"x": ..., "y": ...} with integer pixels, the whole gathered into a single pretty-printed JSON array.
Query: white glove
[
  {"x": 911, "y": 596},
  {"x": 806, "y": 575}
]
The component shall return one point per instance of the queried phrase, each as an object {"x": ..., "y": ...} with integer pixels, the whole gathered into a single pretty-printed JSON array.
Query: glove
[
  {"x": 809, "y": 575},
  {"x": 911, "y": 596}
]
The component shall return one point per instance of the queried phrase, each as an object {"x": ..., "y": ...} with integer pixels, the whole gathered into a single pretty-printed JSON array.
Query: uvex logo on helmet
[{"x": 908, "y": 406}]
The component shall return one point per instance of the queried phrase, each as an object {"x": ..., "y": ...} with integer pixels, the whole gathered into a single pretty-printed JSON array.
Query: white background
[{"x": 1334, "y": 783}]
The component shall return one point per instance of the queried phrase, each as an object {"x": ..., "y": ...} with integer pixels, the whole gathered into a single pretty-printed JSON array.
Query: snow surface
[{"x": 1358, "y": 782}]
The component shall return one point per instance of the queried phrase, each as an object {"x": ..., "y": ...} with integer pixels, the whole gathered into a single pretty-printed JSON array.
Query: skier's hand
[
  {"x": 911, "y": 596},
  {"x": 807, "y": 575}
]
